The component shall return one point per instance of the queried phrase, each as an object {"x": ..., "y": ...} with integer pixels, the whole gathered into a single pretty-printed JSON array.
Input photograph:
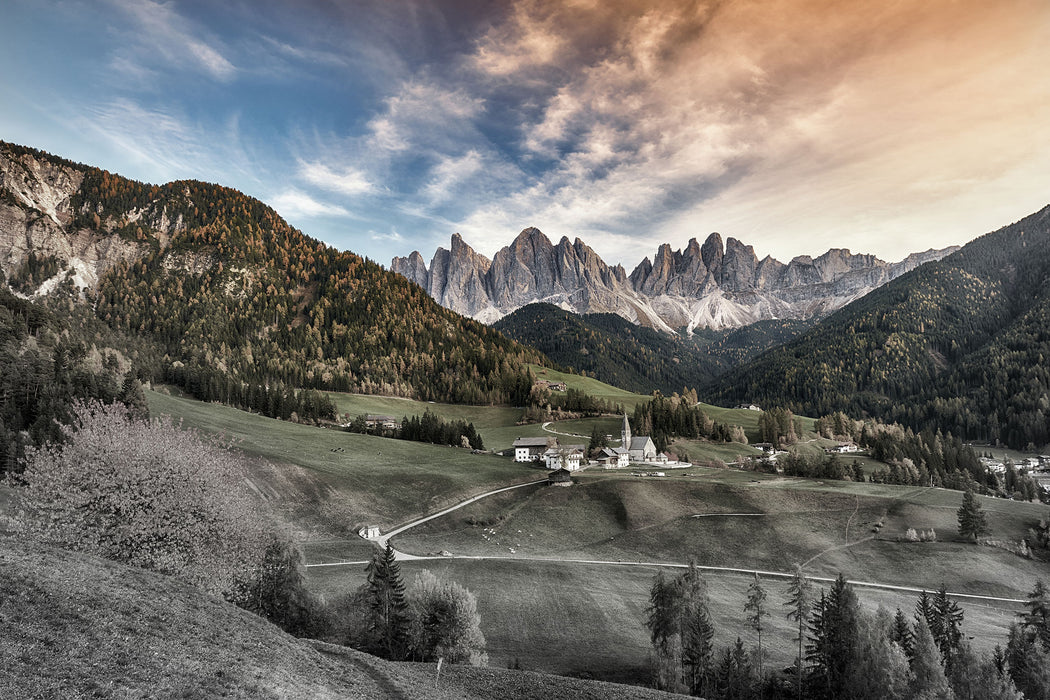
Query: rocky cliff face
[
  {"x": 712, "y": 285},
  {"x": 37, "y": 216}
]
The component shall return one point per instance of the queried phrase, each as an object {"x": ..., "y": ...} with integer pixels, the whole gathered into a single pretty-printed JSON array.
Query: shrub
[{"x": 145, "y": 493}]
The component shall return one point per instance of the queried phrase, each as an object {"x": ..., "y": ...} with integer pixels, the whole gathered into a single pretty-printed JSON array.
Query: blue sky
[{"x": 383, "y": 126}]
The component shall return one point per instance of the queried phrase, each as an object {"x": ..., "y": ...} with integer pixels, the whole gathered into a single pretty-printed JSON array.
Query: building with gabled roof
[{"x": 532, "y": 449}]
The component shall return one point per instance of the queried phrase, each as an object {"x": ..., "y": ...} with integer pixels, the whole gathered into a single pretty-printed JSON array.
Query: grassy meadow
[
  {"x": 576, "y": 618},
  {"x": 332, "y": 481}
]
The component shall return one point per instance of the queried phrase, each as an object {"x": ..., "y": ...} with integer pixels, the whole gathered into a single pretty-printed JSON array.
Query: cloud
[
  {"x": 295, "y": 204},
  {"x": 393, "y": 236},
  {"x": 450, "y": 172},
  {"x": 164, "y": 38},
  {"x": 780, "y": 117},
  {"x": 348, "y": 181}
]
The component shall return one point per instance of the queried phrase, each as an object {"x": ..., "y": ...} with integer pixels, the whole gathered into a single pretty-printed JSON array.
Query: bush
[{"x": 145, "y": 493}]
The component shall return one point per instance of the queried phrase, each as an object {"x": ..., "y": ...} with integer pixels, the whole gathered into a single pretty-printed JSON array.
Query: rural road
[{"x": 404, "y": 556}]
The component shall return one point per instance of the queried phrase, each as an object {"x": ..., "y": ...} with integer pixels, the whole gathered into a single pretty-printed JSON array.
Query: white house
[
  {"x": 564, "y": 457},
  {"x": 613, "y": 457},
  {"x": 369, "y": 532},
  {"x": 532, "y": 449}
]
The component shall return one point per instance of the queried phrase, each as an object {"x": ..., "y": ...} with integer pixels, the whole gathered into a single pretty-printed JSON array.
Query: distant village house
[{"x": 532, "y": 449}]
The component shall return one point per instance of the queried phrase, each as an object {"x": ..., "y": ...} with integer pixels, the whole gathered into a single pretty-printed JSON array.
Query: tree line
[
  {"x": 842, "y": 650},
  {"x": 428, "y": 428},
  {"x": 664, "y": 418}
]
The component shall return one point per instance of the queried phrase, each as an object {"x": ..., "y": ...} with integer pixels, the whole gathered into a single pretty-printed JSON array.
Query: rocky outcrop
[
  {"x": 37, "y": 197},
  {"x": 712, "y": 285}
]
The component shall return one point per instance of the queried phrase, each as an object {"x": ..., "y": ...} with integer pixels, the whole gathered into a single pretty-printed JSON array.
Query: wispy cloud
[
  {"x": 346, "y": 181},
  {"x": 163, "y": 37},
  {"x": 295, "y": 204}
]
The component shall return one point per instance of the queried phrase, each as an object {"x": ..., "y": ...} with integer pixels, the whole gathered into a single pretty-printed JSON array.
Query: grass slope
[
  {"x": 76, "y": 626},
  {"x": 336, "y": 481}
]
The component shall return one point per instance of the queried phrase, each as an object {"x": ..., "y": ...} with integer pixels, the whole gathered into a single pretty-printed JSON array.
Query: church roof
[{"x": 639, "y": 443}]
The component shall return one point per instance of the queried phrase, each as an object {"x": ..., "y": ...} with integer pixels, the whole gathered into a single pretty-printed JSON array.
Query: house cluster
[
  {"x": 553, "y": 386},
  {"x": 749, "y": 407},
  {"x": 554, "y": 455},
  {"x": 386, "y": 422},
  {"x": 842, "y": 448}
]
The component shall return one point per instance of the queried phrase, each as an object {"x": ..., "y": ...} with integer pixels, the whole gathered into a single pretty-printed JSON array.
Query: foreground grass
[{"x": 76, "y": 626}]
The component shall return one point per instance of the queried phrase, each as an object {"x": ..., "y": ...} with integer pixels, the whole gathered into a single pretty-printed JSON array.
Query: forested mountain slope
[
  {"x": 243, "y": 307},
  {"x": 616, "y": 351},
  {"x": 958, "y": 344}
]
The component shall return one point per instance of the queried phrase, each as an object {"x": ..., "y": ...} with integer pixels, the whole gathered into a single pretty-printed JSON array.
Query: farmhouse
[
  {"x": 369, "y": 532},
  {"x": 639, "y": 448},
  {"x": 749, "y": 407},
  {"x": 532, "y": 449},
  {"x": 612, "y": 457},
  {"x": 387, "y": 422},
  {"x": 564, "y": 457},
  {"x": 843, "y": 448}
]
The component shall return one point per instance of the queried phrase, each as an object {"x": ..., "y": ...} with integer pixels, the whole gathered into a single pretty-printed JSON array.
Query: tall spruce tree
[
  {"x": 833, "y": 641},
  {"x": 799, "y": 602},
  {"x": 972, "y": 519},
  {"x": 755, "y": 611},
  {"x": 1036, "y": 618},
  {"x": 388, "y": 613}
]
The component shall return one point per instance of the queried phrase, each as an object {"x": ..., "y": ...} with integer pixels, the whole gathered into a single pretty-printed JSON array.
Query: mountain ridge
[
  {"x": 958, "y": 345},
  {"x": 716, "y": 284}
]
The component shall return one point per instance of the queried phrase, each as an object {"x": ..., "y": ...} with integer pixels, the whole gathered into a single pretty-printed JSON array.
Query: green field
[
  {"x": 577, "y": 618},
  {"x": 333, "y": 481},
  {"x": 591, "y": 387}
]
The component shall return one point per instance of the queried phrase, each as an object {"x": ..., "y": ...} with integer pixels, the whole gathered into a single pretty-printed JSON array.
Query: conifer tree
[
  {"x": 388, "y": 613},
  {"x": 755, "y": 610},
  {"x": 1037, "y": 617},
  {"x": 800, "y": 601},
  {"x": 972, "y": 519},
  {"x": 927, "y": 672}
]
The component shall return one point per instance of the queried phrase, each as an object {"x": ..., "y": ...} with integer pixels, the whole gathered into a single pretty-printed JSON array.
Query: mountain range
[{"x": 715, "y": 285}]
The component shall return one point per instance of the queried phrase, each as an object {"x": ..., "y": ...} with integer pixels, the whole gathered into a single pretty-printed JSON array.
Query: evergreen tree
[
  {"x": 755, "y": 610},
  {"x": 800, "y": 600},
  {"x": 949, "y": 622},
  {"x": 974, "y": 678},
  {"x": 388, "y": 612},
  {"x": 972, "y": 519},
  {"x": 900, "y": 632},
  {"x": 833, "y": 635},
  {"x": 1037, "y": 617},
  {"x": 735, "y": 677},
  {"x": 928, "y": 681},
  {"x": 663, "y": 623},
  {"x": 1029, "y": 664},
  {"x": 880, "y": 667}
]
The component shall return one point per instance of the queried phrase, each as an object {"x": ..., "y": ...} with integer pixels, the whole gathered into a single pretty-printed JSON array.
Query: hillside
[
  {"x": 618, "y": 352},
  {"x": 957, "y": 345},
  {"x": 77, "y": 626},
  {"x": 246, "y": 308}
]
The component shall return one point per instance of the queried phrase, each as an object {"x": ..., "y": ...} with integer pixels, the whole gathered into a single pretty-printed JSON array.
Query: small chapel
[{"x": 640, "y": 448}]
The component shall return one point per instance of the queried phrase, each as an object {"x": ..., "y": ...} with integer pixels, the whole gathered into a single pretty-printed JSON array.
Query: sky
[{"x": 385, "y": 126}]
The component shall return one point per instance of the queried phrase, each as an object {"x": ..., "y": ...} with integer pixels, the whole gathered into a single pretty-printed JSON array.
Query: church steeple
[{"x": 625, "y": 433}]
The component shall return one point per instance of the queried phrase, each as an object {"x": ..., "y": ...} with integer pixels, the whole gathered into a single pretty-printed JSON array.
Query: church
[{"x": 640, "y": 448}]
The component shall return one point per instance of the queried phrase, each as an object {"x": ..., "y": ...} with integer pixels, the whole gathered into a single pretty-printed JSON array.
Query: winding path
[{"x": 383, "y": 540}]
